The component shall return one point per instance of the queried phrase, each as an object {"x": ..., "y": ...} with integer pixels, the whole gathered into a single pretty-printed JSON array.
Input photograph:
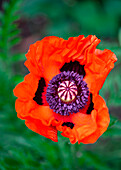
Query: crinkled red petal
[
  {"x": 26, "y": 90},
  {"x": 46, "y": 131},
  {"x": 97, "y": 68},
  {"x": 88, "y": 128},
  {"x": 26, "y": 106},
  {"x": 32, "y": 109}
]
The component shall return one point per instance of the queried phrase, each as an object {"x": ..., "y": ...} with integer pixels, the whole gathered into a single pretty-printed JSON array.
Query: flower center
[{"x": 67, "y": 91}]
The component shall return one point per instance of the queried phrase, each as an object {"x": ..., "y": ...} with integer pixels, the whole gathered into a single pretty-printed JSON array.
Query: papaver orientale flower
[{"x": 61, "y": 92}]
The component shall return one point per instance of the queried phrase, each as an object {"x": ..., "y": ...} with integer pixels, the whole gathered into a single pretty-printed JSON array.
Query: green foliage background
[{"x": 22, "y": 22}]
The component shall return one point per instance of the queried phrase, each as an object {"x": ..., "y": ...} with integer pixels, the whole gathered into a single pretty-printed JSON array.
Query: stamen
[{"x": 67, "y": 93}]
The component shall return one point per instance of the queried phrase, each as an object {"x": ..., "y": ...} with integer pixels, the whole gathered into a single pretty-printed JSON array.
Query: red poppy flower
[{"x": 61, "y": 92}]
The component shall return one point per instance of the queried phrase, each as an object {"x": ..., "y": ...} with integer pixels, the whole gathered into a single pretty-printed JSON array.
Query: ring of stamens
[{"x": 67, "y": 93}]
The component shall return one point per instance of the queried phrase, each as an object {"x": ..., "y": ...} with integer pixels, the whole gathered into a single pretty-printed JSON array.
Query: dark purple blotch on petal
[
  {"x": 91, "y": 106},
  {"x": 68, "y": 124},
  {"x": 40, "y": 90},
  {"x": 74, "y": 66}
]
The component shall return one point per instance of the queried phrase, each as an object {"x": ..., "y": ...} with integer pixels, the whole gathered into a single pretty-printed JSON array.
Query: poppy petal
[
  {"x": 102, "y": 121},
  {"x": 46, "y": 131},
  {"x": 32, "y": 61},
  {"x": 30, "y": 108},
  {"x": 88, "y": 128},
  {"x": 26, "y": 89},
  {"x": 45, "y": 57},
  {"x": 83, "y": 46},
  {"x": 50, "y": 54},
  {"x": 84, "y": 125},
  {"x": 98, "y": 69},
  {"x": 24, "y": 108},
  {"x": 71, "y": 134},
  {"x": 43, "y": 113}
]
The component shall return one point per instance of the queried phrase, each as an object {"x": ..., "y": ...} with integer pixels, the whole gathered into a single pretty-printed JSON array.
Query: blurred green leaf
[
  {"x": 18, "y": 57},
  {"x": 112, "y": 121},
  {"x": 15, "y": 41},
  {"x": 94, "y": 161},
  {"x": 119, "y": 37}
]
